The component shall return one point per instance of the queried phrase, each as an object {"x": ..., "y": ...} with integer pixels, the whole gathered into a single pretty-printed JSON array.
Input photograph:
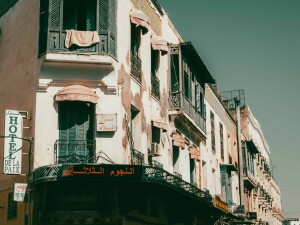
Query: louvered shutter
[
  {"x": 113, "y": 25},
  {"x": 43, "y": 35},
  {"x": 55, "y": 15},
  {"x": 107, "y": 26}
]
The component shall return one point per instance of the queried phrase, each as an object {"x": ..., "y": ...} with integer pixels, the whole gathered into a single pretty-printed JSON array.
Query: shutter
[
  {"x": 55, "y": 15},
  {"x": 107, "y": 25},
  {"x": 63, "y": 128},
  {"x": 113, "y": 26},
  {"x": 43, "y": 35},
  {"x": 103, "y": 15}
]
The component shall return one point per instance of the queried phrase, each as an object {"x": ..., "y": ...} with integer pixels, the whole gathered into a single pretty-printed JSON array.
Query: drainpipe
[{"x": 240, "y": 155}]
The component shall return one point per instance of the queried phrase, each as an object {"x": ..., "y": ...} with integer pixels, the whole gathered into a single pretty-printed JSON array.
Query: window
[
  {"x": 212, "y": 125},
  {"x": 192, "y": 171},
  {"x": 155, "y": 83},
  {"x": 12, "y": 207},
  {"x": 79, "y": 15},
  {"x": 174, "y": 73},
  {"x": 155, "y": 60},
  {"x": 135, "y": 128},
  {"x": 221, "y": 142},
  {"x": 135, "y": 39},
  {"x": 76, "y": 130},
  {"x": 187, "y": 84},
  {"x": 176, "y": 158}
]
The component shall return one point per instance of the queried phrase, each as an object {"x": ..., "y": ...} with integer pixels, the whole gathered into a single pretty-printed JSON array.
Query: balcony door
[{"x": 76, "y": 131}]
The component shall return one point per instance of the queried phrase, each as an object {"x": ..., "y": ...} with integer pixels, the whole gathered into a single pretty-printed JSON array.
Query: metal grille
[
  {"x": 55, "y": 15},
  {"x": 149, "y": 174},
  {"x": 137, "y": 158},
  {"x": 76, "y": 151},
  {"x": 113, "y": 17},
  {"x": 136, "y": 67},
  {"x": 103, "y": 15},
  {"x": 155, "y": 86},
  {"x": 178, "y": 100}
]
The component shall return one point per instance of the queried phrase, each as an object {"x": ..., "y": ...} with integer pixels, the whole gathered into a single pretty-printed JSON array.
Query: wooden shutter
[
  {"x": 107, "y": 25},
  {"x": 55, "y": 15},
  {"x": 43, "y": 35}
]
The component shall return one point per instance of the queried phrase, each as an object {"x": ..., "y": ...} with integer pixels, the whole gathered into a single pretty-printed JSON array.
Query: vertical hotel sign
[{"x": 12, "y": 142}]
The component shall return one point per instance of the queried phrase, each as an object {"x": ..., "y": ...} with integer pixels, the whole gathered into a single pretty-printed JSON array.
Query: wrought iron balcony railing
[
  {"x": 147, "y": 174},
  {"x": 136, "y": 67},
  {"x": 155, "y": 87},
  {"x": 179, "y": 101},
  {"x": 137, "y": 158},
  {"x": 74, "y": 151},
  {"x": 154, "y": 163}
]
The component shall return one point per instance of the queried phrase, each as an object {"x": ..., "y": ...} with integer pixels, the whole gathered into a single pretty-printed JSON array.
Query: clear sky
[{"x": 254, "y": 45}]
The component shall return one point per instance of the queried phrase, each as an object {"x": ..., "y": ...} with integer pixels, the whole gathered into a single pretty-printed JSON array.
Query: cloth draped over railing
[{"x": 81, "y": 38}]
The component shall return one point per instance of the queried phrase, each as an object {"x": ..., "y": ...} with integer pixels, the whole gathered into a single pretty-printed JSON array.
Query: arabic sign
[
  {"x": 102, "y": 171},
  {"x": 20, "y": 192},
  {"x": 13, "y": 145},
  {"x": 107, "y": 122}
]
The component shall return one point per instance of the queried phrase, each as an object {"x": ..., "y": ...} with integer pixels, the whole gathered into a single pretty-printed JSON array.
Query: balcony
[
  {"x": 74, "y": 151},
  {"x": 155, "y": 87},
  {"x": 136, "y": 67},
  {"x": 137, "y": 158},
  {"x": 179, "y": 101},
  {"x": 55, "y": 20},
  {"x": 249, "y": 179}
]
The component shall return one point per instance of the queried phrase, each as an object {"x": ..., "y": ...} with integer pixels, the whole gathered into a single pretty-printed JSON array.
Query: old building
[{"x": 109, "y": 117}]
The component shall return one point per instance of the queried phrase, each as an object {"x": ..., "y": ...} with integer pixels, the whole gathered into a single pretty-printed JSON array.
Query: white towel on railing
[{"x": 81, "y": 38}]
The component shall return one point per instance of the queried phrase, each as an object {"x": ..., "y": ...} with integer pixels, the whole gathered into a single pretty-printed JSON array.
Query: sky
[{"x": 254, "y": 45}]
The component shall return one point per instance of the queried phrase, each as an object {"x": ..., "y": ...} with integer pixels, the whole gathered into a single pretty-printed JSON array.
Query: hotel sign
[{"x": 12, "y": 142}]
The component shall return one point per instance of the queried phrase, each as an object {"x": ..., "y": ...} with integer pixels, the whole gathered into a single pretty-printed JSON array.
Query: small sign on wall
[
  {"x": 20, "y": 192},
  {"x": 106, "y": 122}
]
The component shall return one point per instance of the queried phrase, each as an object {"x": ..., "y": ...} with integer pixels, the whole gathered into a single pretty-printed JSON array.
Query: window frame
[{"x": 12, "y": 206}]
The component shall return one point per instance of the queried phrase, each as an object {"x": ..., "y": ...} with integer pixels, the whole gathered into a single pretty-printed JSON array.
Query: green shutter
[
  {"x": 55, "y": 15},
  {"x": 76, "y": 125},
  {"x": 103, "y": 15},
  {"x": 43, "y": 35}
]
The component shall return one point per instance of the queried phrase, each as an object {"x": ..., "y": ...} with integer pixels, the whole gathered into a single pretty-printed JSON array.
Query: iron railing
[
  {"x": 249, "y": 175},
  {"x": 74, "y": 151},
  {"x": 137, "y": 158},
  {"x": 179, "y": 101},
  {"x": 154, "y": 163},
  {"x": 136, "y": 67},
  {"x": 155, "y": 86},
  {"x": 148, "y": 174}
]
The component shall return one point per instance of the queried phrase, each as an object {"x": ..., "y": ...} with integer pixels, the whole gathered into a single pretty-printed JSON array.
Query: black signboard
[{"x": 107, "y": 171}]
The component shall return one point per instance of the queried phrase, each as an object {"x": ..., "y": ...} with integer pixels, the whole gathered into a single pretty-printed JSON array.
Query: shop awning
[
  {"x": 139, "y": 18},
  {"x": 76, "y": 93},
  {"x": 159, "y": 43}
]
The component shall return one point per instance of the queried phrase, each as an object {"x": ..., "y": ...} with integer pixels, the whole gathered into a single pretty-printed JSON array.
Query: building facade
[{"x": 120, "y": 121}]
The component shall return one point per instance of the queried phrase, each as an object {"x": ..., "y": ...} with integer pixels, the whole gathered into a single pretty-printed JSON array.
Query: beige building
[{"x": 120, "y": 125}]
